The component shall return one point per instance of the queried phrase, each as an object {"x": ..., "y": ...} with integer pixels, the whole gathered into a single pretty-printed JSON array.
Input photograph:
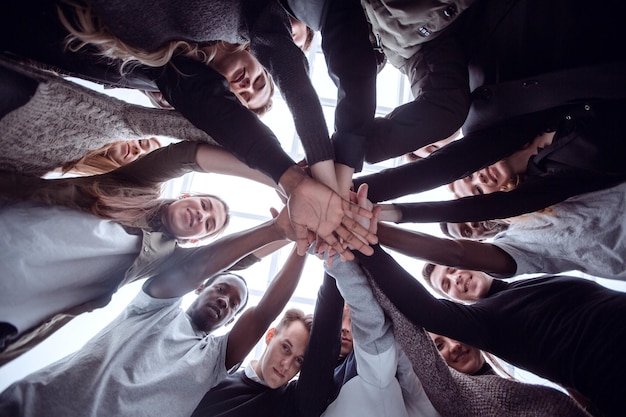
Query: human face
[
  {"x": 488, "y": 180},
  {"x": 298, "y": 32},
  {"x": 246, "y": 77},
  {"x": 346, "y": 334},
  {"x": 194, "y": 217},
  {"x": 459, "y": 356},
  {"x": 217, "y": 304},
  {"x": 460, "y": 284},
  {"x": 126, "y": 151},
  {"x": 474, "y": 230},
  {"x": 284, "y": 355},
  {"x": 425, "y": 151}
]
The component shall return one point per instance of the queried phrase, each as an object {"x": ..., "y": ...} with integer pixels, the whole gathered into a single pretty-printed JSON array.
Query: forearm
[
  {"x": 187, "y": 268},
  {"x": 204, "y": 98},
  {"x": 218, "y": 160},
  {"x": 462, "y": 254},
  {"x": 411, "y": 298},
  {"x": 257, "y": 319},
  {"x": 351, "y": 65},
  {"x": 456, "y": 160},
  {"x": 315, "y": 383}
]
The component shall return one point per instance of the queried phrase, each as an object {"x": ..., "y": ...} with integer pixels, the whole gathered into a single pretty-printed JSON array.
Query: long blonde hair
[
  {"x": 88, "y": 29},
  {"x": 137, "y": 207}
]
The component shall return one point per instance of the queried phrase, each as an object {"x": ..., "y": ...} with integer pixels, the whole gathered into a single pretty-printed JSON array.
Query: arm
[
  {"x": 464, "y": 254},
  {"x": 351, "y": 65},
  {"x": 255, "y": 320},
  {"x": 455, "y": 160},
  {"x": 187, "y": 268},
  {"x": 218, "y": 160},
  {"x": 316, "y": 382},
  {"x": 272, "y": 44},
  {"x": 417, "y": 304},
  {"x": 535, "y": 194},
  {"x": 203, "y": 96}
]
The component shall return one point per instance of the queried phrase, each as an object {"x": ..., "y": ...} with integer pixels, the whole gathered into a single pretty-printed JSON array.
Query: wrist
[{"x": 291, "y": 179}]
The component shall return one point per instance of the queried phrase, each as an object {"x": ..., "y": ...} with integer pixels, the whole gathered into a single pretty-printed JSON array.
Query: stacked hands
[{"x": 316, "y": 213}]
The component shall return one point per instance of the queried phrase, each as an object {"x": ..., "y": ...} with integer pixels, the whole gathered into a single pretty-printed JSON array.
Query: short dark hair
[
  {"x": 444, "y": 229},
  {"x": 310, "y": 34},
  {"x": 427, "y": 272},
  {"x": 212, "y": 279}
]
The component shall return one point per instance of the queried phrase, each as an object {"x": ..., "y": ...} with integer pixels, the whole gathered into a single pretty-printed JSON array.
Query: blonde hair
[
  {"x": 138, "y": 207},
  {"x": 88, "y": 29},
  {"x": 95, "y": 162}
]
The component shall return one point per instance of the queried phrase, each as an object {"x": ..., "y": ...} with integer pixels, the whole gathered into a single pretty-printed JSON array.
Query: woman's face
[
  {"x": 194, "y": 217},
  {"x": 488, "y": 180},
  {"x": 459, "y": 356},
  {"x": 246, "y": 77},
  {"x": 126, "y": 151}
]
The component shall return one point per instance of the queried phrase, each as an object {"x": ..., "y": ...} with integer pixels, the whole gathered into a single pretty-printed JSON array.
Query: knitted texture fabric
[
  {"x": 63, "y": 121},
  {"x": 454, "y": 394}
]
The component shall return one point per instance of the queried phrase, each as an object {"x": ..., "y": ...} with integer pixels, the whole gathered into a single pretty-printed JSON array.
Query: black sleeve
[
  {"x": 272, "y": 44},
  {"x": 316, "y": 382},
  {"x": 416, "y": 303},
  {"x": 530, "y": 196},
  {"x": 351, "y": 65},
  {"x": 456, "y": 160},
  {"x": 203, "y": 96}
]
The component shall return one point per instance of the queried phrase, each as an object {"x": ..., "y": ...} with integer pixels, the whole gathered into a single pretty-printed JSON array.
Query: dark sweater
[
  {"x": 585, "y": 156},
  {"x": 568, "y": 330},
  {"x": 238, "y": 395},
  {"x": 204, "y": 97}
]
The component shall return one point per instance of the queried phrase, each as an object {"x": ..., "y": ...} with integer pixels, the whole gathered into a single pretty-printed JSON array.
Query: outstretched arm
[
  {"x": 255, "y": 320},
  {"x": 460, "y": 253},
  {"x": 187, "y": 268}
]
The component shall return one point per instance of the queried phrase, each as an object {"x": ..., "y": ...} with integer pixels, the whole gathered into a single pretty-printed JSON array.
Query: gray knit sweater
[
  {"x": 454, "y": 394},
  {"x": 63, "y": 121}
]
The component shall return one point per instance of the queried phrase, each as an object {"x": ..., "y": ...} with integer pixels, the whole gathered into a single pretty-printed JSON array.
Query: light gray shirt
[
  {"x": 584, "y": 233},
  {"x": 150, "y": 361}
]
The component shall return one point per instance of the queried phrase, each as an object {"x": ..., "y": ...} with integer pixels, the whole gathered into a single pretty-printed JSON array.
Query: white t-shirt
[
  {"x": 149, "y": 361},
  {"x": 584, "y": 233},
  {"x": 54, "y": 258}
]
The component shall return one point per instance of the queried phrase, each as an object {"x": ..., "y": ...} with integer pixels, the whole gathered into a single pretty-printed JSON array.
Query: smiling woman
[{"x": 195, "y": 217}]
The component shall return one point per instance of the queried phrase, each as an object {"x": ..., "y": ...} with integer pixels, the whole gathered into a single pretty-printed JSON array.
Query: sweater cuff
[{"x": 349, "y": 149}]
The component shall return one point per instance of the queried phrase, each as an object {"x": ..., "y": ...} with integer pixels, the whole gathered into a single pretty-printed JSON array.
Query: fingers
[
  {"x": 356, "y": 209},
  {"x": 273, "y": 212},
  {"x": 302, "y": 241}
]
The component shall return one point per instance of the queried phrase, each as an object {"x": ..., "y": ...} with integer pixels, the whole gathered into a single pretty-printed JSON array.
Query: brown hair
[{"x": 293, "y": 315}]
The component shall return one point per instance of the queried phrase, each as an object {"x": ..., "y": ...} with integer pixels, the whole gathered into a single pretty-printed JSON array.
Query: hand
[
  {"x": 371, "y": 224},
  {"x": 315, "y": 207}
]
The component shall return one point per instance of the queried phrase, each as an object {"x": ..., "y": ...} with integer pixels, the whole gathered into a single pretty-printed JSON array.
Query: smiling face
[
  {"x": 246, "y": 77},
  {"x": 496, "y": 177},
  {"x": 460, "y": 284},
  {"x": 284, "y": 355},
  {"x": 346, "y": 334},
  {"x": 217, "y": 303},
  {"x": 126, "y": 151},
  {"x": 194, "y": 217},
  {"x": 475, "y": 230},
  {"x": 459, "y": 356}
]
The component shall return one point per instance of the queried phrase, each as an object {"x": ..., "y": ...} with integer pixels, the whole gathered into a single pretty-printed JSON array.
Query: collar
[{"x": 251, "y": 373}]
